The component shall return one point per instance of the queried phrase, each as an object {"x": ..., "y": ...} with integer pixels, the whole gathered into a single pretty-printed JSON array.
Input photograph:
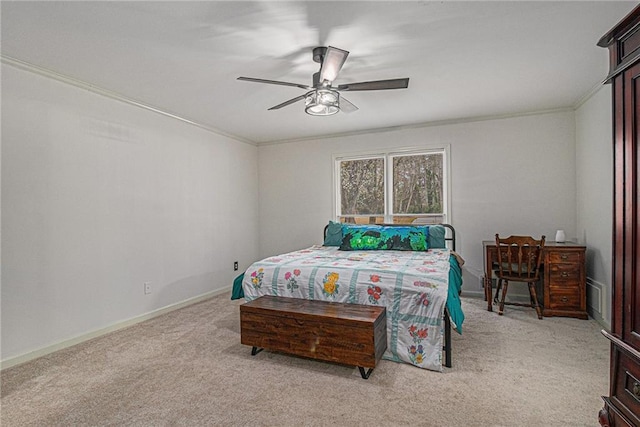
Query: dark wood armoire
[{"x": 622, "y": 406}]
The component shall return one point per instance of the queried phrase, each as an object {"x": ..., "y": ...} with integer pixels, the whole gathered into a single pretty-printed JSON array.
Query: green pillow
[
  {"x": 371, "y": 237},
  {"x": 334, "y": 234}
]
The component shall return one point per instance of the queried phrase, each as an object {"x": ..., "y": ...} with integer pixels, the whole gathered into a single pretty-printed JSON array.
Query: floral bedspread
[{"x": 412, "y": 286}]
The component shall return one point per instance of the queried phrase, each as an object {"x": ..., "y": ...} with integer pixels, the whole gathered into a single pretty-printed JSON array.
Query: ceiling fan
[{"x": 323, "y": 99}]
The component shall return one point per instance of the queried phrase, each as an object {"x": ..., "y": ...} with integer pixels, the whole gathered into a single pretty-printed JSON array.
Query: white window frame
[{"x": 387, "y": 156}]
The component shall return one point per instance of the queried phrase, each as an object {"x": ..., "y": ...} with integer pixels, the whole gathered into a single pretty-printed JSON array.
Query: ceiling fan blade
[
  {"x": 289, "y": 102},
  {"x": 346, "y": 106},
  {"x": 273, "y": 82},
  {"x": 376, "y": 85},
  {"x": 332, "y": 63}
]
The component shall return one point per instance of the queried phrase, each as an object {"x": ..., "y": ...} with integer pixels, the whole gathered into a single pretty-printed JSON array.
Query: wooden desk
[{"x": 563, "y": 277}]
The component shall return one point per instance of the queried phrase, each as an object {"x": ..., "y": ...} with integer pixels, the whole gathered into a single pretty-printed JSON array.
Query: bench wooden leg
[
  {"x": 364, "y": 374},
  {"x": 256, "y": 350}
]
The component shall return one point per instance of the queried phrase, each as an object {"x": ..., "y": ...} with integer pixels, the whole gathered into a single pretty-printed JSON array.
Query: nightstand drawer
[
  {"x": 565, "y": 272},
  {"x": 565, "y": 298},
  {"x": 564, "y": 256}
]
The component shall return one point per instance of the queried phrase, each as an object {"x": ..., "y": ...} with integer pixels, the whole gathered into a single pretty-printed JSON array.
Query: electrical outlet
[
  {"x": 235, "y": 266},
  {"x": 147, "y": 288}
]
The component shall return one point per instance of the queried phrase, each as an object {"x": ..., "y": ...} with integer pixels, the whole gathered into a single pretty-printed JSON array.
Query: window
[{"x": 394, "y": 187}]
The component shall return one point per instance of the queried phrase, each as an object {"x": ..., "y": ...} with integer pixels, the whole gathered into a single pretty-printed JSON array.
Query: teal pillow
[
  {"x": 334, "y": 234},
  {"x": 372, "y": 237},
  {"x": 436, "y": 237}
]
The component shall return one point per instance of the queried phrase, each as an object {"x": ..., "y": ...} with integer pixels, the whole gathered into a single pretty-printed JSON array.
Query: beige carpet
[{"x": 189, "y": 368}]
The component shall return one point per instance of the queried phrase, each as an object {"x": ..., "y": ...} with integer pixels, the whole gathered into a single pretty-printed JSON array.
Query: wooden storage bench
[{"x": 350, "y": 334}]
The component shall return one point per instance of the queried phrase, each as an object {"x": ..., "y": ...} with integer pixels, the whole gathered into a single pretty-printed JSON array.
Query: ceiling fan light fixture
[{"x": 322, "y": 102}]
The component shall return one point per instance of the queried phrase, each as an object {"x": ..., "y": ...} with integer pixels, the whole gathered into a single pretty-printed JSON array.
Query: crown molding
[
  {"x": 587, "y": 96},
  {"x": 26, "y": 66}
]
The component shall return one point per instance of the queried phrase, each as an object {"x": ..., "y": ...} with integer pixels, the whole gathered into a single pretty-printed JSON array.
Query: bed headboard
[{"x": 449, "y": 236}]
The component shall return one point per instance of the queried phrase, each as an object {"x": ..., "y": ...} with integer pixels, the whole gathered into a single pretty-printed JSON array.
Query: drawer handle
[
  {"x": 565, "y": 299},
  {"x": 564, "y": 256},
  {"x": 636, "y": 390},
  {"x": 565, "y": 274}
]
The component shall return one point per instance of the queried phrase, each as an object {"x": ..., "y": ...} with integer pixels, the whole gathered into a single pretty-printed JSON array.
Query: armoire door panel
[{"x": 632, "y": 255}]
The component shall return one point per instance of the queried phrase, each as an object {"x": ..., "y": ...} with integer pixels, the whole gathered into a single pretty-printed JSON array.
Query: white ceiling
[{"x": 464, "y": 59}]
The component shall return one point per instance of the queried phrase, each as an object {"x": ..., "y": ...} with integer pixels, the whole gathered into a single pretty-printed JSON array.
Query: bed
[{"x": 419, "y": 287}]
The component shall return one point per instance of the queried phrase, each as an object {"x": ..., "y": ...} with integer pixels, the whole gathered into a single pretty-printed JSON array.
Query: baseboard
[
  {"x": 472, "y": 294},
  {"x": 26, "y": 357}
]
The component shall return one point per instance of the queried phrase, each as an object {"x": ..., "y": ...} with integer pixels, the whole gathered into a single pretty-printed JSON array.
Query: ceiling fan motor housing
[{"x": 318, "y": 54}]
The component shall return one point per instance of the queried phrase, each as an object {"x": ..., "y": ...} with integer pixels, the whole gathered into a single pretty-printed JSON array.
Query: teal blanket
[
  {"x": 237, "y": 291},
  {"x": 454, "y": 304}
]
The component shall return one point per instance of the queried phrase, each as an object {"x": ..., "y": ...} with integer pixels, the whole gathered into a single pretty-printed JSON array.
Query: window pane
[
  {"x": 362, "y": 187},
  {"x": 418, "y": 184}
]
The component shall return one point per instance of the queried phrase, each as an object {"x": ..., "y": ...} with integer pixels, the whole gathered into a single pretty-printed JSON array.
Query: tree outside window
[
  {"x": 362, "y": 189},
  {"x": 415, "y": 188}
]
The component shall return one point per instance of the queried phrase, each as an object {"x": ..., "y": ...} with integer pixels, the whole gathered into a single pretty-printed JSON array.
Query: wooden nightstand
[{"x": 565, "y": 292}]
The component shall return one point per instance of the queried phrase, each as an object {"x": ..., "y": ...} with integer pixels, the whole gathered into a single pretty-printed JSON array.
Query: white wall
[
  {"x": 594, "y": 175},
  {"x": 509, "y": 176},
  {"x": 99, "y": 197}
]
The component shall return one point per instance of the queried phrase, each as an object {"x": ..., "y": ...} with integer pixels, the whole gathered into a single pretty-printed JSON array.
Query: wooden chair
[{"x": 519, "y": 260}]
